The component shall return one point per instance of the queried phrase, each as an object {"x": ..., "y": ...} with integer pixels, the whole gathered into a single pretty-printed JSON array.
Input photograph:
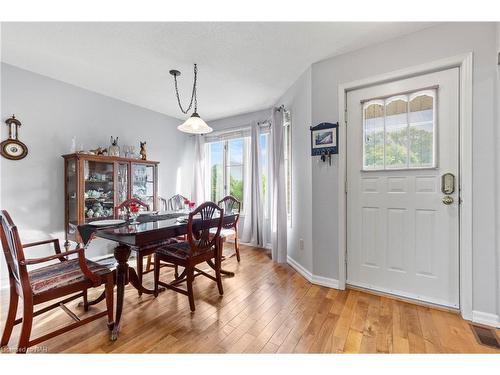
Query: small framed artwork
[{"x": 324, "y": 139}]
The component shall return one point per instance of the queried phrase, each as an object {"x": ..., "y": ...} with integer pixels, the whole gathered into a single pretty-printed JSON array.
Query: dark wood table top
[{"x": 151, "y": 229}]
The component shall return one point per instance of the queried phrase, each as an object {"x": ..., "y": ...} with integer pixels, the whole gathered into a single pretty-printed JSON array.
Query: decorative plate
[{"x": 13, "y": 149}]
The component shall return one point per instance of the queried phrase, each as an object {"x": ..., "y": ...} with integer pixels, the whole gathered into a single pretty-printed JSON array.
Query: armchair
[{"x": 46, "y": 283}]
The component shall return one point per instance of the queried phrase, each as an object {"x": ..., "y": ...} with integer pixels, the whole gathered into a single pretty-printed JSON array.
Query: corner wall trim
[
  {"x": 486, "y": 318},
  {"x": 314, "y": 279}
]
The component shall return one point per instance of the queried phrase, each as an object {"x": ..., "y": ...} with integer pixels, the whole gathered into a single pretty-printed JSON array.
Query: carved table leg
[
  {"x": 134, "y": 280},
  {"x": 121, "y": 253}
]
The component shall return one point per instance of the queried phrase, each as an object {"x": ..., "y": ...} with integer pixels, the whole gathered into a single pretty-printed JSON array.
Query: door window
[{"x": 399, "y": 132}]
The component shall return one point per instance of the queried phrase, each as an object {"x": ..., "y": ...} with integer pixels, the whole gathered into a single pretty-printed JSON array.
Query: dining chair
[
  {"x": 162, "y": 204},
  {"x": 124, "y": 207},
  {"x": 229, "y": 231},
  {"x": 201, "y": 246},
  {"x": 46, "y": 283},
  {"x": 176, "y": 203},
  {"x": 145, "y": 250}
]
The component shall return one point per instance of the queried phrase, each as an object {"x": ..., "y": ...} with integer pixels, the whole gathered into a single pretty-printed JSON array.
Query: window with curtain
[
  {"x": 226, "y": 158},
  {"x": 264, "y": 168},
  {"x": 226, "y": 162},
  {"x": 287, "y": 122}
]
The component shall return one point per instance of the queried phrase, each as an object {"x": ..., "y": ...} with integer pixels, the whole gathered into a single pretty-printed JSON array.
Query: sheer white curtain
[
  {"x": 278, "y": 192},
  {"x": 253, "y": 223},
  {"x": 198, "y": 187}
]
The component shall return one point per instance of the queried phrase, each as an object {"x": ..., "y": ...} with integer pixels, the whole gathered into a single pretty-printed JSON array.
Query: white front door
[{"x": 402, "y": 229}]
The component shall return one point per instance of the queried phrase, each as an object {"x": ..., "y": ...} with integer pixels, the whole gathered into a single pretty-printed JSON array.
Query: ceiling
[{"x": 242, "y": 67}]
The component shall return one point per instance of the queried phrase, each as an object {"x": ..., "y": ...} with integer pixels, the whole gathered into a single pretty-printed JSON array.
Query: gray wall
[
  {"x": 52, "y": 112},
  {"x": 245, "y": 119},
  {"x": 414, "y": 49},
  {"x": 498, "y": 167},
  {"x": 298, "y": 100}
]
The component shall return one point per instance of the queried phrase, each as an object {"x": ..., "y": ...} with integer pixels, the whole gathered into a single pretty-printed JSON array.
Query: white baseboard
[
  {"x": 299, "y": 268},
  {"x": 325, "y": 281},
  {"x": 267, "y": 246},
  {"x": 486, "y": 318},
  {"x": 314, "y": 279}
]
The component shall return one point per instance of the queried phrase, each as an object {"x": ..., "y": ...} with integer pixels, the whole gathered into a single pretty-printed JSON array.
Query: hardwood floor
[{"x": 266, "y": 308}]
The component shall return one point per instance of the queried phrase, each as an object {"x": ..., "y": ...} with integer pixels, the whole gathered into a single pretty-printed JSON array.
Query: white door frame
[{"x": 464, "y": 63}]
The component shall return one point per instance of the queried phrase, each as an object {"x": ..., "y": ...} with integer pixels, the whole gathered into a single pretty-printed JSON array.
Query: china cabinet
[{"x": 96, "y": 184}]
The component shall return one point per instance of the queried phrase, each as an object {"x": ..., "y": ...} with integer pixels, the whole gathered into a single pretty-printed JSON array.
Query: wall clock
[{"x": 12, "y": 148}]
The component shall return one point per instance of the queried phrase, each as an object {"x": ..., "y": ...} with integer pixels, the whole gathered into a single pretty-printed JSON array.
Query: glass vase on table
[{"x": 133, "y": 213}]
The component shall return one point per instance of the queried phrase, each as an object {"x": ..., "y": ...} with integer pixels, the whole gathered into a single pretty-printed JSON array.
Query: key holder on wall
[{"x": 324, "y": 141}]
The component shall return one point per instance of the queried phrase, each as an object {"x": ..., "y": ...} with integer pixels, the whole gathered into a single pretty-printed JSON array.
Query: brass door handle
[{"x": 447, "y": 200}]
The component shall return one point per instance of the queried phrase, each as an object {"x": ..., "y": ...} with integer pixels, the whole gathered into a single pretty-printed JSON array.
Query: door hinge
[
  {"x": 345, "y": 115},
  {"x": 345, "y": 186}
]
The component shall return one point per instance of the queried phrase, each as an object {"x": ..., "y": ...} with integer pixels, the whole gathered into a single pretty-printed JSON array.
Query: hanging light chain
[{"x": 193, "y": 93}]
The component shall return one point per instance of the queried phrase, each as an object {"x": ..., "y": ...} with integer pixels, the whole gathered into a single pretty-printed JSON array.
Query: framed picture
[{"x": 324, "y": 138}]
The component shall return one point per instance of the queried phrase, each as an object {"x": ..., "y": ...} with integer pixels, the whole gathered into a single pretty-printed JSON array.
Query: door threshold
[{"x": 405, "y": 299}]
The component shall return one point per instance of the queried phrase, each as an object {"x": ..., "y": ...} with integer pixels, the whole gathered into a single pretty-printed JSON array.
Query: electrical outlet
[{"x": 301, "y": 244}]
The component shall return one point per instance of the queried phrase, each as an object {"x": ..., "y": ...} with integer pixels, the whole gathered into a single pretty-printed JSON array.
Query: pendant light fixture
[{"x": 194, "y": 124}]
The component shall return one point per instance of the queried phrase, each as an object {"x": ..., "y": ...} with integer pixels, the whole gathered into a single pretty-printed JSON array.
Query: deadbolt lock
[{"x": 448, "y": 183}]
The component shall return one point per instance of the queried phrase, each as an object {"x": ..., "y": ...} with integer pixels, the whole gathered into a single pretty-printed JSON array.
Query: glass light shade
[{"x": 195, "y": 125}]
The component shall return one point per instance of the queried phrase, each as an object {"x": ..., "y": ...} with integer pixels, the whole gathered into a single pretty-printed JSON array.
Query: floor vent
[{"x": 486, "y": 336}]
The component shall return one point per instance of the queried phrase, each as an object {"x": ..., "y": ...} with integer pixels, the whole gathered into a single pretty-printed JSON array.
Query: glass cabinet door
[
  {"x": 143, "y": 183},
  {"x": 99, "y": 190},
  {"x": 122, "y": 186},
  {"x": 71, "y": 199}
]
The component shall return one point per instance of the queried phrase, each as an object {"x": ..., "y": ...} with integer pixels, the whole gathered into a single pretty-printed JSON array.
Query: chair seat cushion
[
  {"x": 179, "y": 250},
  {"x": 224, "y": 232},
  {"x": 62, "y": 274}
]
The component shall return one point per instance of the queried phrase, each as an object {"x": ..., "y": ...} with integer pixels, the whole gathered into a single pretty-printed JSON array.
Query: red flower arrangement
[
  {"x": 190, "y": 204},
  {"x": 134, "y": 208}
]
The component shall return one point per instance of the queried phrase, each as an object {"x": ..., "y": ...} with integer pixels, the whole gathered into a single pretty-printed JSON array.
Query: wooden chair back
[
  {"x": 13, "y": 251},
  {"x": 176, "y": 203},
  {"x": 162, "y": 204},
  {"x": 231, "y": 205},
  {"x": 200, "y": 239},
  {"x": 125, "y": 205}
]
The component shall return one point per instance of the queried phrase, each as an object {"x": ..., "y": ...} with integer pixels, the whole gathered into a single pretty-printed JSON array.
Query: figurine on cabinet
[
  {"x": 99, "y": 151},
  {"x": 143, "y": 150},
  {"x": 114, "y": 149}
]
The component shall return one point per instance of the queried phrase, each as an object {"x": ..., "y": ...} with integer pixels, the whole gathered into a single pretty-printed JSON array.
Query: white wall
[
  {"x": 52, "y": 112},
  {"x": 414, "y": 49}
]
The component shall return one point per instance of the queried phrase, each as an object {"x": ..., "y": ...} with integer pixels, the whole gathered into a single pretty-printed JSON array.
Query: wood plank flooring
[{"x": 266, "y": 308}]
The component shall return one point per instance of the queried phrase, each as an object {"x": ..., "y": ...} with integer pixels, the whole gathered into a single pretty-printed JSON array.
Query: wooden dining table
[{"x": 151, "y": 230}]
